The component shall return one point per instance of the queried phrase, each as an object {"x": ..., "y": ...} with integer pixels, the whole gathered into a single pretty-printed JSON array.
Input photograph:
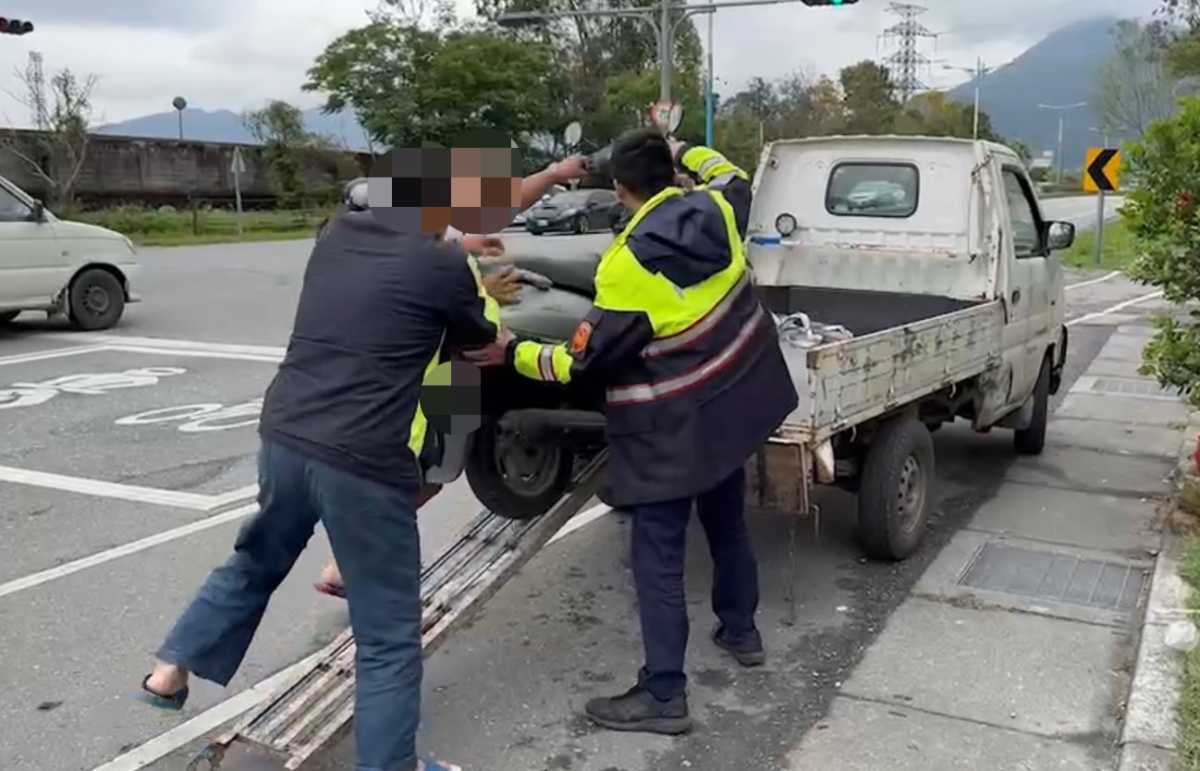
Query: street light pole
[
  {"x": 1061, "y": 110},
  {"x": 978, "y": 71},
  {"x": 709, "y": 101}
]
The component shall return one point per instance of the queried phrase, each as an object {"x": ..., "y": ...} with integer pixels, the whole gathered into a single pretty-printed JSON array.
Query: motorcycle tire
[{"x": 517, "y": 493}]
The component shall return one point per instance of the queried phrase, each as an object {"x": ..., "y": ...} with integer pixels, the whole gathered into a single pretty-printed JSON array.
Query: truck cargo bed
[{"x": 862, "y": 312}]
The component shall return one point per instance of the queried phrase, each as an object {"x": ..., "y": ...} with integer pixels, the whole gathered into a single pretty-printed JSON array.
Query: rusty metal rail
[{"x": 315, "y": 707}]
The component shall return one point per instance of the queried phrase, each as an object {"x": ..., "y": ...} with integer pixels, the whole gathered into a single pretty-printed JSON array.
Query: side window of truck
[
  {"x": 1022, "y": 213},
  {"x": 12, "y": 209}
]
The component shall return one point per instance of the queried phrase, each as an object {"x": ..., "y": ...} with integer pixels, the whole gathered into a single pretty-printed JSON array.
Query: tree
[
  {"x": 57, "y": 151},
  {"x": 1134, "y": 88},
  {"x": 279, "y": 127},
  {"x": 869, "y": 100},
  {"x": 1162, "y": 214},
  {"x": 409, "y": 85}
]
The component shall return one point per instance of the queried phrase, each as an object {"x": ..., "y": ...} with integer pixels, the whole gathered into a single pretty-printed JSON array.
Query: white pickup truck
[
  {"x": 935, "y": 255},
  {"x": 52, "y": 265}
]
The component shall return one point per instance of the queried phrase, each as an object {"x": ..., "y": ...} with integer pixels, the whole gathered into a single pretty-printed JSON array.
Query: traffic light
[
  {"x": 15, "y": 26},
  {"x": 829, "y": 2}
]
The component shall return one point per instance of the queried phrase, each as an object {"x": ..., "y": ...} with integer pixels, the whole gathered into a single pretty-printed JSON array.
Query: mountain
[
  {"x": 1060, "y": 70},
  {"x": 227, "y": 126}
]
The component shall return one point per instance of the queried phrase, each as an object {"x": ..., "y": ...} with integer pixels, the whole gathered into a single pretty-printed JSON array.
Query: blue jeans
[
  {"x": 373, "y": 530},
  {"x": 659, "y": 546}
]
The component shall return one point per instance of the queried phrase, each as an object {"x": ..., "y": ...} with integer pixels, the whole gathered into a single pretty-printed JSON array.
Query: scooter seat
[{"x": 574, "y": 272}]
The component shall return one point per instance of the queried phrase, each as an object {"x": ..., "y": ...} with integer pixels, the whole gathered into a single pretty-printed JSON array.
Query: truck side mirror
[
  {"x": 1059, "y": 235},
  {"x": 39, "y": 211}
]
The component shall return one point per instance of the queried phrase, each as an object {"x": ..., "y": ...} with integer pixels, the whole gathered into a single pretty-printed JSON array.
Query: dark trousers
[
  {"x": 373, "y": 530},
  {"x": 659, "y": 545}
]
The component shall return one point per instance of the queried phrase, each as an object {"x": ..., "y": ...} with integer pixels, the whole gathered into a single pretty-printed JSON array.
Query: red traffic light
[{"x": 15, "y": 26}]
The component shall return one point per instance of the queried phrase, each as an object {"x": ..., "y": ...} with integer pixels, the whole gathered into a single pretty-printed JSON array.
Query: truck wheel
[
  {"x": 7, "y": 317},
  {"x": 515, "y": 478},
  {"x": 97, "y": 300},
  {"x": 1032, "y": 440},
  {"x": 896, "y": 490}
]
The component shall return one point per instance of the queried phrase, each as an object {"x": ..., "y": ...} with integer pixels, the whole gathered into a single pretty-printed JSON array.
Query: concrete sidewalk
[{"x": 1018, "y": 646}]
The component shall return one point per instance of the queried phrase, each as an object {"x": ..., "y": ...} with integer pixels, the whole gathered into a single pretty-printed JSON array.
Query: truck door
[
  {"x": 1029, "y": 289},
  {"x": 32, "y": 266}
]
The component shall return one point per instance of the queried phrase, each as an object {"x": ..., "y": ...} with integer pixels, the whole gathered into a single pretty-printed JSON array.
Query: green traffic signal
[{"x": 835, "y": 3}]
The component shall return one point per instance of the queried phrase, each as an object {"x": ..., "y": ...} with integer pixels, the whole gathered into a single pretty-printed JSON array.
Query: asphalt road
[{"x": 150, "y": 439}]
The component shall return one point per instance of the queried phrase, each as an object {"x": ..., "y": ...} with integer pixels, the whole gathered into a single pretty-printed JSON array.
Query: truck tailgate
[{"x": 843, "y": 384}]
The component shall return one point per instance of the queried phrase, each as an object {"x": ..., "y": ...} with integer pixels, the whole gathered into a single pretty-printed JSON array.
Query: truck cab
[{"x": 56, "y": 266}]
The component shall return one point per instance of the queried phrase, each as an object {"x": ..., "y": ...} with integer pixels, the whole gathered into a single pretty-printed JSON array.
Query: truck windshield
[
  {"x": 12, "y": 209},
  {"x": 872, "y": 190}
]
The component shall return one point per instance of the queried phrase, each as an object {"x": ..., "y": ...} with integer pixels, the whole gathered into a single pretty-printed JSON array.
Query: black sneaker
[
  {"x": 748, "y": 651},
  {"x": 638, "y": 710}
]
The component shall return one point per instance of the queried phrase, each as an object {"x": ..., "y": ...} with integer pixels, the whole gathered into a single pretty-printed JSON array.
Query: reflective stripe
[
  {"x": 710, "y": 164},
  {"x": 649, "y": 392},
  {"x": 701, "y": 327},
  {"x": 546, "y": 363},
  {"x": 719, "y": 182}
]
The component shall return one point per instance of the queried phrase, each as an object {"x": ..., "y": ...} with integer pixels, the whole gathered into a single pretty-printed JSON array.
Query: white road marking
[
  {"x": 1100, "y": 280},
  {"x": 1115, "y": 308},
  {"x": 184, "y": 345},
  {"x": 103, "y": 489},
  {"x": 164, "y": 744},
  {"x": 54, "y": 353},
  {"x": 249, "y": 492},
  {"x": 66, "y": 569},
  {"x": 580, "y": 521}
]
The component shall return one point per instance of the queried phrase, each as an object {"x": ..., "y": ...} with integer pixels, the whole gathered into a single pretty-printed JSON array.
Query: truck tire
[
  {"x": 96, "y": 300},
  {"x": 7, "y": 317},
  {"x": 896, "y": 490},
  {"x": 1032, "y": 440},
  {"x": 514, "y": 479}
]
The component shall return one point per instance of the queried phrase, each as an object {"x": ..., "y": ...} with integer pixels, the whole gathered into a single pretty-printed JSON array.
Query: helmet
[{"x": 355, "y": 194}]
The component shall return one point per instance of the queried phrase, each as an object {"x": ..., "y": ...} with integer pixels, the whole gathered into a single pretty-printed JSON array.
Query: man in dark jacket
[
  {"x": 342, "y": 431},
  {"x": 696, "y": 384}
]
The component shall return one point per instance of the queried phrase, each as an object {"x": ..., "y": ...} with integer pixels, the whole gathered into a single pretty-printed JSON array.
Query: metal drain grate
[
  {"x": 1114, "y": 586},
  {"x": 1110, "y": 385}
]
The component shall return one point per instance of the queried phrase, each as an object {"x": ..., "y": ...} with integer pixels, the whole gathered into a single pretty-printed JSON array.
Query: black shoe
[
  {"x": 638, "y": 710},
  {"x": 748, "y": 650}
]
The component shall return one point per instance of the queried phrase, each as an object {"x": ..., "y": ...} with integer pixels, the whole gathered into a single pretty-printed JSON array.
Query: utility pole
[
  {"x": 905, "y": 62},
  {"x": 1061, "y": 110},
  {"x": 709, "y": 106},
  {"x": 659, "y": 17}
]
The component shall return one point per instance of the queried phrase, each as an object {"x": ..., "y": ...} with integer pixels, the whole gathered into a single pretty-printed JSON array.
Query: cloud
[{"x": 236, "y": 54}]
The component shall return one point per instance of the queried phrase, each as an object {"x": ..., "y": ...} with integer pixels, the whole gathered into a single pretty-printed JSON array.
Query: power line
[{"x": 905, "y": 63}]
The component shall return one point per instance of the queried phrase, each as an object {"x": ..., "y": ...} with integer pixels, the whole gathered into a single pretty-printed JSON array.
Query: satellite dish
[{"x": 573, "y": 133}]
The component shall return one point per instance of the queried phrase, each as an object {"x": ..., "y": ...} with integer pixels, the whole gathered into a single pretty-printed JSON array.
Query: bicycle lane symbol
[
  {"x": 87, "y": 384},
  {"x": 200, "y": 418}
]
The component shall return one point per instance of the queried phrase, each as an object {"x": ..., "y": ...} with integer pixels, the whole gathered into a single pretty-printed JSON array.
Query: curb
[{"x": 1150, "y": 732}]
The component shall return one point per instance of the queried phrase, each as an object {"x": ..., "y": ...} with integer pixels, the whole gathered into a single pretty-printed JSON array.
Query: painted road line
[
  {"x": 1100, "y": 280},
  {"x": 1115, "y": 308},
  {"x": 247, "y": 493},
  {"x": 270, "y": 358},
  {"x": 116, "y": 553},
  {"x": 104, "y": 489},
  {"x": 181, "y": 735},
  {"x": 54, "y": 353},
  {"x": 580, "y": 521},
  {"x": 162, "y": 342}
]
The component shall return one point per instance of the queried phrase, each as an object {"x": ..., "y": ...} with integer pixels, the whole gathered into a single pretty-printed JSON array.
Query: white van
[{"x": 51, "y": 265}]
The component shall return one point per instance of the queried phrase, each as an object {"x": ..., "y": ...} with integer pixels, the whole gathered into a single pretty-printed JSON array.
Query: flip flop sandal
[
  {"x": 330, "y": 589},
  {"x": 175, "y": 701},
  {"x": 436, "y": 765}
]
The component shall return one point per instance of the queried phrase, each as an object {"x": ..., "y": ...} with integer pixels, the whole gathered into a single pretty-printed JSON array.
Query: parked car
[
  {"x": 520, "y": 219},
  {"x": 575, "y": 211},
  {"x": 55, "y": 266}
]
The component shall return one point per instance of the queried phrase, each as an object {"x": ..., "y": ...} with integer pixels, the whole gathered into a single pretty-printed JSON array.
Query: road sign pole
[
  {"x": 1100, "y": 228},
  {"x": 238, "y": 166}
]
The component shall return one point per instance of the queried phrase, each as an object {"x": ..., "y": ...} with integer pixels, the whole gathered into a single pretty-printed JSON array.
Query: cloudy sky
[{"x": 236, "y": 54}]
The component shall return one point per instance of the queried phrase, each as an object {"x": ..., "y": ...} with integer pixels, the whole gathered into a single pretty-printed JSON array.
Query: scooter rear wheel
[{"x": 515, "y": 478}]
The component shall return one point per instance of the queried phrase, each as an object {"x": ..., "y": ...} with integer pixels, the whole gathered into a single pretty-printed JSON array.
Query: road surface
[{"x": 117, "y": 501}]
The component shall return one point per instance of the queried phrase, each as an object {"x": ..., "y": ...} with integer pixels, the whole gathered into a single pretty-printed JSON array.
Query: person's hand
[
  {"x": 569, "y": 169},
  {"x": 488, "y": 246},
  {"x": 675, "y": 146},
  {"x": 504, "y": 285},
  {"x": 493, "y": 354}
]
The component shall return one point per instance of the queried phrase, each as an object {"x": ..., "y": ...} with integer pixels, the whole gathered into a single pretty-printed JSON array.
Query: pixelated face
[{"x": 474, "y": 189}]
